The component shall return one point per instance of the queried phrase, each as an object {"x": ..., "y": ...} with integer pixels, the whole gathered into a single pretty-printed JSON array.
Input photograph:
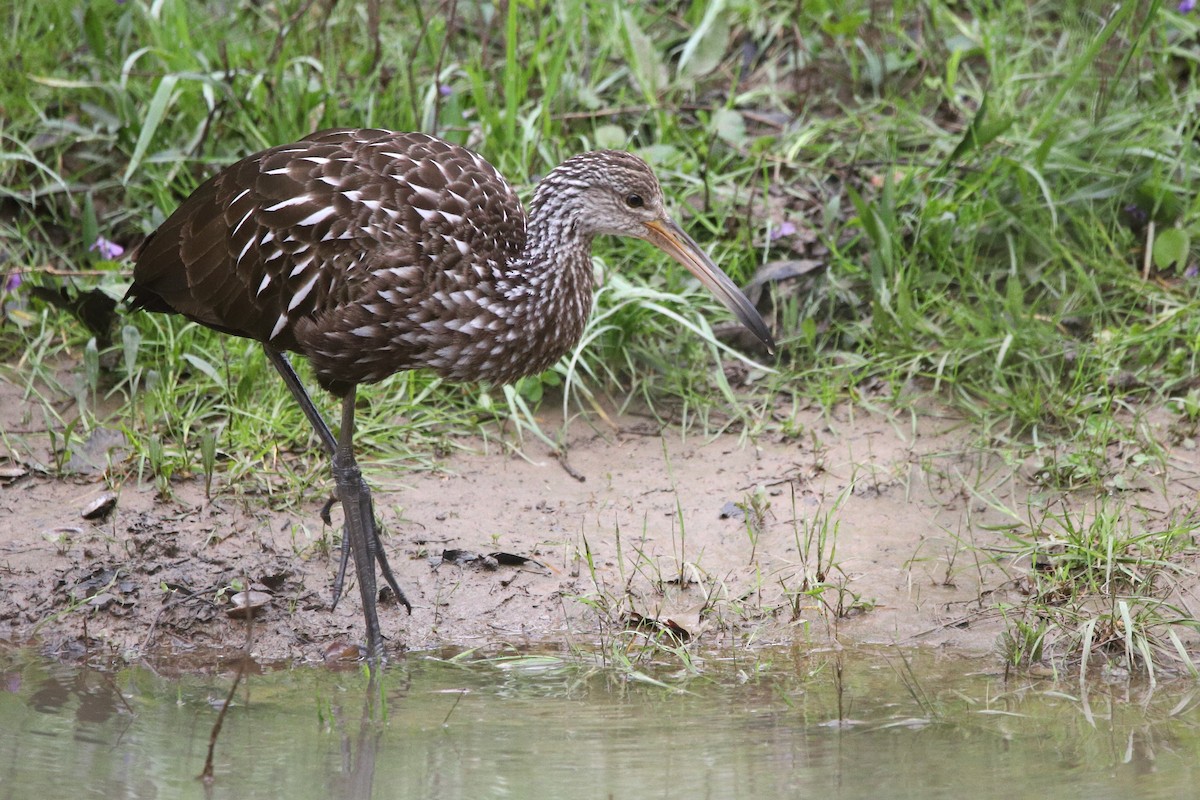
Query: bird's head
[{"x": 617, "y": 193}]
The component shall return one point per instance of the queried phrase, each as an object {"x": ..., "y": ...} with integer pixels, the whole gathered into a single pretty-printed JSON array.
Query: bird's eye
[{"x": 634, "y": 201}]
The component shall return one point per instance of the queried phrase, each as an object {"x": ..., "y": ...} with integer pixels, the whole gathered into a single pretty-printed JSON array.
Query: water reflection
[
  {"x": 356, "y": 780},
  {"x": 762, "y": 724}
]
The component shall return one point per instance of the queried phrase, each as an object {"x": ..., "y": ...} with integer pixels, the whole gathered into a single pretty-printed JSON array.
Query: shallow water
[{"x": 879, "y": 724}]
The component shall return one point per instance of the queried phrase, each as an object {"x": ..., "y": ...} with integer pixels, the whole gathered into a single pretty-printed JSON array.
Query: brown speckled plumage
[{"x": 370, "y": 251}]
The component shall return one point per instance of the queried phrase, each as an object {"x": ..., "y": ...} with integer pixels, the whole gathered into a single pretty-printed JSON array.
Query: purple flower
[
  {"x": 106, "y": 249},
  {"x": 1186, "y": 6},
  {"x": 445, "y": 90},
  {"x": 1191, "y": 271},
  {"x": 785, "y": 229},
  {"x": 11, "y": 282}
]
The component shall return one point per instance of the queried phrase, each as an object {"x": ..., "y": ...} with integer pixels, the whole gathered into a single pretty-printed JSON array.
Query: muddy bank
[{"x": 863, "y": 528}]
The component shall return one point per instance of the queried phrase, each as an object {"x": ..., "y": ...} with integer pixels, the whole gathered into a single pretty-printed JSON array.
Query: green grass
[
  {"x": 984, "y": 185},
  {"x": 1104, "y": 591}
]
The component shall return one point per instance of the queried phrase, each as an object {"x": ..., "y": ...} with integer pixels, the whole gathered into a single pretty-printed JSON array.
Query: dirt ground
[{"x": 865, "y": 528}]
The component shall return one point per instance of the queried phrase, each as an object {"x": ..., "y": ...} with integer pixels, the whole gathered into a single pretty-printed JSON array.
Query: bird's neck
[
  {"x": 550, "y": 284},
  {"x": 557, "y": 253}
]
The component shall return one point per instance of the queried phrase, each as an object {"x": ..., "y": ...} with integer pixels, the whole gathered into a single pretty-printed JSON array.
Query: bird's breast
[{"x": 481, "y": 331}]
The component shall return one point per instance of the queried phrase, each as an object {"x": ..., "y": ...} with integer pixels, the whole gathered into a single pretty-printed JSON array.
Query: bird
[{"x": 370, "y": 251}]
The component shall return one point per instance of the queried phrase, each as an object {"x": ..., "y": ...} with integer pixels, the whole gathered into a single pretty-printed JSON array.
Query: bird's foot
[{"x": 376, "y": 541}]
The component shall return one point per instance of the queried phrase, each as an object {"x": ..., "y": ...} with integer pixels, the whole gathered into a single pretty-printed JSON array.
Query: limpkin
[{"x": 371, "y": 252}]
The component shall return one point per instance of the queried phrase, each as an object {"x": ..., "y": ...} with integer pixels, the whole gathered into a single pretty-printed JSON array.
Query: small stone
[
  {"x": 245, "y": 604},
  {"x": 732, "y": 510},
  {"x": 101, "y": 507},
  {"x": 10, "y": 472},
  {"x": 342, "y": 650}
]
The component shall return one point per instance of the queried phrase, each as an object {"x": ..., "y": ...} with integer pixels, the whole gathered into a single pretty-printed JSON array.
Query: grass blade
[{"x": 154, "y": 117}]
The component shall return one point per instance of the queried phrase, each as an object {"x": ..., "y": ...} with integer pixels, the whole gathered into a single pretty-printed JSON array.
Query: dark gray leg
[
  {"x": 360, "y": 536},
  {"x": 284, "y": 367},
  {"x": 356, "y": 505},
  {"x": 362, "y": 494}
]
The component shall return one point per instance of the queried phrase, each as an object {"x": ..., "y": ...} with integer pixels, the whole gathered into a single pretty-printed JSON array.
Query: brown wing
[{"x": 278, "y": 241}]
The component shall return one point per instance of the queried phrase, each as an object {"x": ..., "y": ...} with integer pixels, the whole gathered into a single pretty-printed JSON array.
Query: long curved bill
[{"x": 673, "y": 240}]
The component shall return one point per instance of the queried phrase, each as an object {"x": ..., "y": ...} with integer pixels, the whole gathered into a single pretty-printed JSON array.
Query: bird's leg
[
  {"x": 285, "y": 370},
  {"x": 367, "y": 512},
  {"x": 359, "y": 518},
  {"x": 330, "y": 444},
  {"x": 284, "y": 367},
  {"x": 340, "y": 578}
]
